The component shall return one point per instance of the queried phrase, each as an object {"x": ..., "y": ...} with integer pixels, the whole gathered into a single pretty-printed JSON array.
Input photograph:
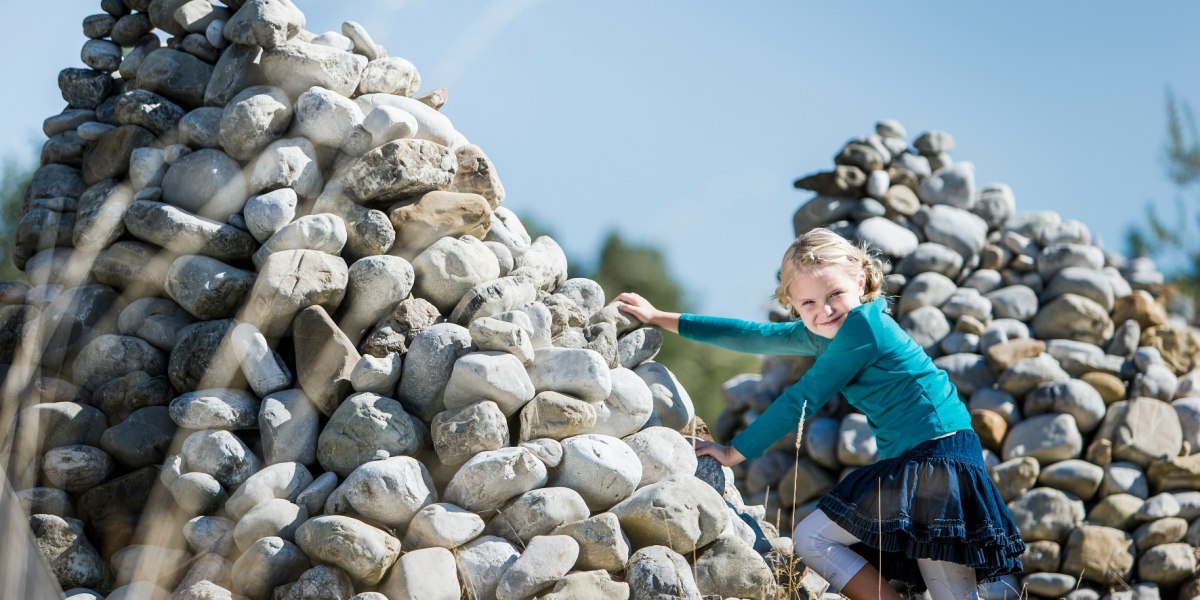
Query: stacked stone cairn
[
  {"x": 282, "y": 340},
  {"x": 1084, "y": 390}
]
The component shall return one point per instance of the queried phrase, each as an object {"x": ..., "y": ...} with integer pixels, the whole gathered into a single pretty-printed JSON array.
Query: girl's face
[{"x": 823, "y": 295}]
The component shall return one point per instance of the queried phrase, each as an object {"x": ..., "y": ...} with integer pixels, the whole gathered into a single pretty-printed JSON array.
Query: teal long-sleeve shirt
[{"x": 874, "y": 363}]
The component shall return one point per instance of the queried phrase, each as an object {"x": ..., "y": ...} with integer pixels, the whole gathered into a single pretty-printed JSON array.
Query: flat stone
[
  {"x": 185, "y": 233},
  {"x": 1078, "y": 477},
  {"x": 672, "y": 405},
  {"x": 1142, "y": 430},
  {"x": 441, "y": 525},
  {"x": 297, "y": 66},
  {"x": 556, "y": 416}
]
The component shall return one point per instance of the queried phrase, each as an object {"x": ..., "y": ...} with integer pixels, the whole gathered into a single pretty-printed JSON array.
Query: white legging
[{"x": 825, "y": 547}]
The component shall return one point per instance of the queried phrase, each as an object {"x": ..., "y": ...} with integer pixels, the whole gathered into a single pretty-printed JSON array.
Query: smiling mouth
[{"x": 830, "y": 322}]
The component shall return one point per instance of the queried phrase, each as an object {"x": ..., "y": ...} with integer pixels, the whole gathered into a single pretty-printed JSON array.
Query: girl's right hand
[
  {"x": 637, "y": 307},
  {"x": 726, "y": 455},
  {"x": 640, "y": 308}
]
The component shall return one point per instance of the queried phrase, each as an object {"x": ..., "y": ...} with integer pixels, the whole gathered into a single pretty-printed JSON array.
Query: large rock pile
[
  {"x": 1086, "y": 394},
  {"x": 283, "y": 340}
]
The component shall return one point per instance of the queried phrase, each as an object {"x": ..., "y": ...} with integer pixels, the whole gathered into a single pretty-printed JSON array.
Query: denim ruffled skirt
[{"x": 934, "y": 501}]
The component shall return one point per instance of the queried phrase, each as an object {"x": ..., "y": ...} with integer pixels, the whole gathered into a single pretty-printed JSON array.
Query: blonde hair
[{"x": 821, "y": 247}]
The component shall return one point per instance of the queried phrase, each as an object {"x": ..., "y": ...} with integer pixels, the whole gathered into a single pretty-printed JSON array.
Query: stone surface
[
  {"x": 460, "y": 433},
  {"x": 680, "y": 512},
  {"x": 441, "y": 525},
  {"x": 367, "y": 427},
  {"x": 659, "y": 572},
  {"x": 546, "y": 559},
  {"x": 362, "y": 551},
  {"x": 491, "y": 478}
]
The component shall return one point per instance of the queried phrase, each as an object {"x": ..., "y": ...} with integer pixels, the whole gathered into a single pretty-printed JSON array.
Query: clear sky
[{"x": 683, "y": 123}]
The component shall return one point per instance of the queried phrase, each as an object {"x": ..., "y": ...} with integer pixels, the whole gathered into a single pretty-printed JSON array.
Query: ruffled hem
[{"x": 971, "y": 527}]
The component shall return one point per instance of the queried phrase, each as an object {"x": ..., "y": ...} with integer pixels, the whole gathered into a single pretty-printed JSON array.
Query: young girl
[{"x": 927, "y": 510}]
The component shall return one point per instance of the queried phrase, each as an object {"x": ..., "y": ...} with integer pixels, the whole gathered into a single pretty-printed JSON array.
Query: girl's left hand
[{"x": 726, "y": 455}]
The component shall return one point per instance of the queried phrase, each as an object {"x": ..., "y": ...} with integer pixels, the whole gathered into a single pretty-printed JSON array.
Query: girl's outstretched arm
[
  {"x": 641, "y": 309},
  {"x": 726, "y": 455}
]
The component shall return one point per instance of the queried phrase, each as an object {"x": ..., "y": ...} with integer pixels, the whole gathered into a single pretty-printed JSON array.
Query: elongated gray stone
[{"x": 185, "y": 233}]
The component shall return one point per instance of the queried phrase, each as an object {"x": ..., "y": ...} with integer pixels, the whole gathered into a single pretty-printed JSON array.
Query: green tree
[
  {"x": 702, "y": 369},
  {"x": 14, "y": 178},
  {"x": 1171, "y": 241}
]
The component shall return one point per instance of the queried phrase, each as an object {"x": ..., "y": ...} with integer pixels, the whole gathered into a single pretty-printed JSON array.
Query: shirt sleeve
[
  {"x": 854, "y": 348},
  {"x": 748, "y": 336}
]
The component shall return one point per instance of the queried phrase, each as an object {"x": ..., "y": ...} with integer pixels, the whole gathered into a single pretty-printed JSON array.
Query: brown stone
[
  {"x": 477, "y": 175},
  {"x": 1175, "y": 473},
  {"x": 901, "y": 199},
  {"x": 1110, "y": 386},
  {"x": 436, "y": 215},
  {"x": 1003, "y": 356},
  {"x": 1179, "y": 347},
  {"x": 1141, "y": 307},
  {"x": 1100, "y": 554},
  {"x": 991, "y": 428},
  {"x": 845, "y": 180},
  {"x": 325, "y": 357},
  {"x": 393, "y": 333}
]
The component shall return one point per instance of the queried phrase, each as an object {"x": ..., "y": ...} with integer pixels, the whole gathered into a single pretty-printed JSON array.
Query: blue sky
[{"x": 683, "y": 124}]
